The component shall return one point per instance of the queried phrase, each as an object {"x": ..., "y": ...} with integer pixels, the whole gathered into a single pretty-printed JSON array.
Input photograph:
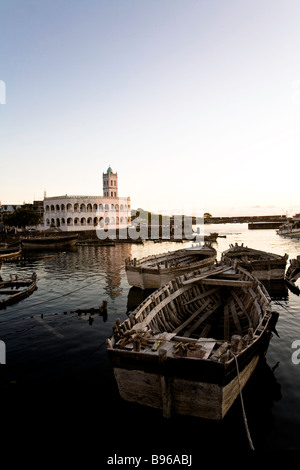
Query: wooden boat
[
  {"x": 191, "y": 344},
  {"x": 16, "y": 290},
  {"x": 49, "y": 242},
  {"x": 290, "y": 229},
  {"x": 154, "y": 271},
  {"x": 10, "y": 252},
  {"x": 263, "y": 265},
  {"x": 292, "y": 274}
]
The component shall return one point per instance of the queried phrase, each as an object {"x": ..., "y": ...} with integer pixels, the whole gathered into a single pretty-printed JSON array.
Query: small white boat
[{"x": 154, "y": 271}]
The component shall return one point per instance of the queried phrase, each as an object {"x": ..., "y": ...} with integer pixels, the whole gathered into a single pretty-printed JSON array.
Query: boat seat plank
[{"x": 210, "y": 272}]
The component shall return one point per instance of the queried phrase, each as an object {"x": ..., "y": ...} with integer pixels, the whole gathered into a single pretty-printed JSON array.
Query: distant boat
[
  {"x": 290, "y": 229},
  {"x": 189, "y": 346},
  {"x": 49, "y": 242},
  {"x": 154, "y": 271},
  {"x": 16, "y": 290},
  {"x": 263, "y": 265},
  {"x": 10, "y": 252}
]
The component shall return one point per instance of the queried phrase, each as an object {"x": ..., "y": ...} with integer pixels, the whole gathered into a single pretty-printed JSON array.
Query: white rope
[{"x": 242, "y": 402}]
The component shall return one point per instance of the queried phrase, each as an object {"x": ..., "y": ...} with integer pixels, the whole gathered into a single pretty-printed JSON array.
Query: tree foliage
[{"x": 22, "y": 217}]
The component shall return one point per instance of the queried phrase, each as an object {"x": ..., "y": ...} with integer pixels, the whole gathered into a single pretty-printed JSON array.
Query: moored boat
[
  {"x": 290, "y": 229},
  {"x": 261, "y": 264},
  {"x": 49, "y": 242},
  {"x": 154, "y": 271},
  {"x": 191, "y": 346},
  {"x": 16, "y": 289},
  {"x": 10, "y": 252}
]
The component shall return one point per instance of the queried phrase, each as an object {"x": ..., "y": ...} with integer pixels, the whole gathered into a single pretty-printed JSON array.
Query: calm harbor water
[{"x": 57, "y": 357}]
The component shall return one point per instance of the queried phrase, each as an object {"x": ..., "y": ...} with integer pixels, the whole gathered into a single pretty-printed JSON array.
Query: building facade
[{"x": 78, "y": 213}]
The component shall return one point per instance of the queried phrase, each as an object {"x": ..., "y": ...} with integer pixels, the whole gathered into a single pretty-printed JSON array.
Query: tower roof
[{"x": 109, "y": 170}]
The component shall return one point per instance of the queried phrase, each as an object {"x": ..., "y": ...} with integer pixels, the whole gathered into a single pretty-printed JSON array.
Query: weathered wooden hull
[
  {"x": 193, "y": 387},
  {"x": 194, "y": 321},
  {"x": 10, "y": 256},
  {"x": 265, "y": 271},
  {"x": 48, "y": 243},
  {"x": 146, "y": 277},
  {"x": 264, "y": 266},
  {"x": 28, "y": 287}
]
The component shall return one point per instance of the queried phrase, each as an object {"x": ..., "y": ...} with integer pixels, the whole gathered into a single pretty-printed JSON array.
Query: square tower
[{"x": 110, "y": 183}]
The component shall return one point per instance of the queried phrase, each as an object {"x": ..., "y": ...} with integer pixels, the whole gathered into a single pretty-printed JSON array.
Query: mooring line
[
  {"x": 54, "y": 298},
  {"x": 242, "y": 402}
]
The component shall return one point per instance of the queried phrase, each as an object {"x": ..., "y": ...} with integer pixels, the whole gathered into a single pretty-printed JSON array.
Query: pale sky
[{"x": 195, "y": 103}]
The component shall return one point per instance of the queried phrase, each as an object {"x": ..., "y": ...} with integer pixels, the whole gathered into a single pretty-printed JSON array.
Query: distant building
[{"x": 78, "y": 213}]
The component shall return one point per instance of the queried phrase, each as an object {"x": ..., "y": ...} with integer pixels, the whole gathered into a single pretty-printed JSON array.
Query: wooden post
[
  {"x": 236, "y": 343},
  {"x": 165, "y": 385},
  {"x": 137, "y": 344},
  {"x": 250, "y": 334},
  {"x": 127, "y": 324}
]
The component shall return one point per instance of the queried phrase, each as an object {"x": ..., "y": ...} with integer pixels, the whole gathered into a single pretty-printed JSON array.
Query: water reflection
[
  {"x": 34, "y": 350},
  {"x": 259, "y": 396},
  {"x": 108, "y": 261}
]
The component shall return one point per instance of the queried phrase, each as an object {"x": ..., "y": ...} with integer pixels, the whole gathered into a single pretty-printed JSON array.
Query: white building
[{"x": 76, "y": 213}]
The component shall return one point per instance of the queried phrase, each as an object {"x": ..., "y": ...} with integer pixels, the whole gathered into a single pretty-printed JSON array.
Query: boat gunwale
[
  {"x": 171, "y": 255},
  {"x": 19, "y": 295}
]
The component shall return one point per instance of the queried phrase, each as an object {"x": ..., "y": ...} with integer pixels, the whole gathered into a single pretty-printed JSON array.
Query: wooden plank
[
  {"x": 192, "y": 317},
  {"x": 166, "y": 396},
  {"x": 205, "y": 331},
  {"x": 211, "y": 272},
  {"x": 226, "y": 323},
  {"x": 203, "y": 317},
  {"x": 226, "y": 282},
  {"x": 10, "y": 291},
  {"x": 235, "y": 318},
  {"x": 160, "y": 305},
  {"x": 201, "y": 296},
  {"x": 242, "y": 307}
]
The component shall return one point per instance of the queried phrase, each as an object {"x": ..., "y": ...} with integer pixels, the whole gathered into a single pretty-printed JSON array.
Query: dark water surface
[{"x": 59, "y": 383}]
